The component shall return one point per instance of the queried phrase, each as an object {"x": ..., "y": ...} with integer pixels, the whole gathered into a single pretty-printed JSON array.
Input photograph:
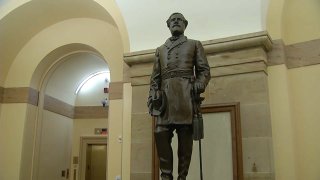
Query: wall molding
[
  {"x": 90, "y": 112},
  {"x": 31, "y": 96},
  {"x": 19, "y": 95},
  {"x": 295, "y": 55},
  {"x": 1, "y": 94},
  {"x": 74, "y": 112},
  {"x": 57, "y": 106}
]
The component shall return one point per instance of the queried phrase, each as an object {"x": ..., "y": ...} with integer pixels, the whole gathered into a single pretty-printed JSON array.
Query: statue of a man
[{"x": 180, "y": 70}]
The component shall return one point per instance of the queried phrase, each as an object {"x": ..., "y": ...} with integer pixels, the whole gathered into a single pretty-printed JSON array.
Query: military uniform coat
[{"x": 178, "y": 64}]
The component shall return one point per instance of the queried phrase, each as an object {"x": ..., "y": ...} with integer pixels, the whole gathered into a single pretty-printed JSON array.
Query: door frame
[
  {"x": 234, "y": 110},
  {"x": 84, "y": 142}
]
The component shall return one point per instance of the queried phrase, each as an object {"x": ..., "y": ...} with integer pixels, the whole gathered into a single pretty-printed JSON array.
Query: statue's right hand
[{"x": 198, "y": 87}]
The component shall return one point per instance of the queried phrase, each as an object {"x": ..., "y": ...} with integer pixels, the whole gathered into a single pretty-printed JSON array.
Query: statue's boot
[
  {"x": 185, "y": 146},
  {"x": 164, "y": 150}
]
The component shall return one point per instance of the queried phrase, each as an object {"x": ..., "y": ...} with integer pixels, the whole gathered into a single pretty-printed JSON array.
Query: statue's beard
[{"x": 176, "y": 32}]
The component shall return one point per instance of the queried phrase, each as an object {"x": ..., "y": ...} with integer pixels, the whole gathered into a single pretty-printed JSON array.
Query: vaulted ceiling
[{"x": 208, "y": 19}]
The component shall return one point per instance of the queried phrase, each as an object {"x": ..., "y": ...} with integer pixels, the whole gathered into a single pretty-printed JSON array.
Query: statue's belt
[{"x": 177, "y": 73}]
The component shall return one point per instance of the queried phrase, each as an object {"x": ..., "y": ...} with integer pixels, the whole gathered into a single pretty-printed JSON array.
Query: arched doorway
[{"x": 65, "y": 112}]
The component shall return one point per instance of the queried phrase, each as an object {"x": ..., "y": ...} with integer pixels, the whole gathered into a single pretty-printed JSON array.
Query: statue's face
[{"x": 176, "y": 24}]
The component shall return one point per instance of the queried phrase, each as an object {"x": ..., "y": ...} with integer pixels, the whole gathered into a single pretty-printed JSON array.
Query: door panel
[{"x": 96, "y": 162}]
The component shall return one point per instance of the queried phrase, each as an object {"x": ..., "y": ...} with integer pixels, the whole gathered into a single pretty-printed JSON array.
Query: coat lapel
[
  {"x": 168, "y": 44},
  {"x": 171, "y": 45}
]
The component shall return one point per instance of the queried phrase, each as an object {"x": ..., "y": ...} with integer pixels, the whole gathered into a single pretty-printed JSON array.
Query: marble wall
[{"x": 239, "y": 74}]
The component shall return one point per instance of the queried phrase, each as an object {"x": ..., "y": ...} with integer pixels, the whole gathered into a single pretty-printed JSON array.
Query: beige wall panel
[
  {"x": 141, "y": 70},
  {"x": 90, "y": 112},
  {"x": 141, "y": 158},
  {"x": 237, "y": 57},
  {"x": 239, "y": 69},
  {"x": 11, "y": 139},
  {"x": 245, "y": 88},
  {"x": 138, "y": 81},
  {"x": 302, "y": 26},
  {"x": 139, "y": 99},
  {"x": 258, "y": 151},
  {"x": 116, "y": 90},
  {"x": 305, "y": 98},
  {"x": 57, "y": 106},
  {"x": 141, "y": 128},
  {"x": 274, "y": 23},
  {"x": 255, "y": 120}
]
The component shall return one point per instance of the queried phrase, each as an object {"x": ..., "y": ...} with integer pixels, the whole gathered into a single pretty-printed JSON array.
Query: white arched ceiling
[
  {"x": 73, "y": 69},
  {"x": 208, "y": 19},
  {"x": 21, "y": 20},
  {"x": 54, "y": 57}
]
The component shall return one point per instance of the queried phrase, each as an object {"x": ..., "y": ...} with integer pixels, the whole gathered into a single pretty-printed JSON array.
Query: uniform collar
[{"x": 169, "y": 44}]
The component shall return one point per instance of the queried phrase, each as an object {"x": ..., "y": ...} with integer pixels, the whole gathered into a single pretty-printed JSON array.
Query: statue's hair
[{"x": 184, "y": 19}]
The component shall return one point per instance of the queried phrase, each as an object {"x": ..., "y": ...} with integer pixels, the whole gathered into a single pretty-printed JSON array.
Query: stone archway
[
  {"x": 61, "y": 112},
  {"x": 103, "y": 36}
]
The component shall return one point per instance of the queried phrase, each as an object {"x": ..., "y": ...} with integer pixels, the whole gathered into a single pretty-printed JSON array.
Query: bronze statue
[{"x": 180, "y": 71}]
